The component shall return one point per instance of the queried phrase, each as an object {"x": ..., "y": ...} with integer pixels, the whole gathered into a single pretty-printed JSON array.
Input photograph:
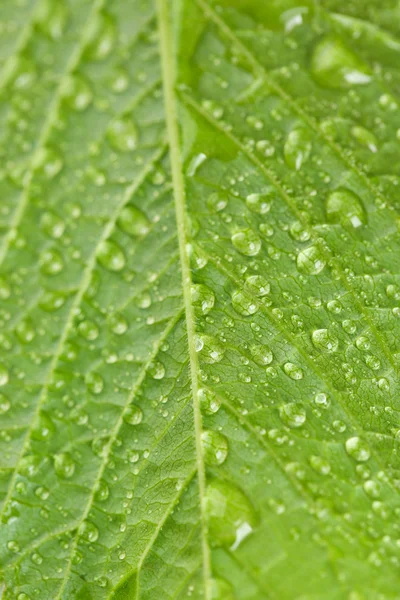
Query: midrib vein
[{"x": 166, "y": 53}]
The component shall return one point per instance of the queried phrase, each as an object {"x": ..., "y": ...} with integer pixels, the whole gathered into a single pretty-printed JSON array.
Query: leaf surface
[{"x": 199, "y": 300}]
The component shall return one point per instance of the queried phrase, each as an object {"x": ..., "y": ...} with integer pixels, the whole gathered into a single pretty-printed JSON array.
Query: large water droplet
[
  {"x": 52, "y": 225},
  {"x": 64, "y": 465},
  {"x": 261, "y": 355},
  {"x": 123, "y": 135},
  {"x": 231, "y": 516},
  {"x": 311, "y": 260},
  {"x": 244, "y": 304},
  {"x": 246, "y": 242},
  {"x": 333, "y": 65},
  {"x": 345, "y": 207},
  {"x": 324, "y": 340},
  {"x": 209, "y": 402},
  {"x": 133, "y": 415},
  {"x": 293, "y": 414},
  {"x": 110, "y": 256},
  {"x": 210, "y": 350},
  {"x": 44, "y": 428},
  {"x": 293, "y": 371},
  {"x": 215, "y": 447},
  {"x": 357, "y": 449},
  {"x": 89, "y": 532},
  {"x": 297, "y": 148},
  {"x": 133, "y": 221},
  {"x": 102, "y": 35},
  {"x": 203, "y": 298}
]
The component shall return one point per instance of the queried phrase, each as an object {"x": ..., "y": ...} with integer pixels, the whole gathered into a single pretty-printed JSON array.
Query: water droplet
[
  {"x": 102, "y": 491},
  {"x": 323, "y": 339},
  {"x": 37, "y": 558},
  {"x": 94, "y": 383},
  {"x": 202, "y": 298},
  {"x": 133, "y": 221},
  {"x": 231, "y": 516},
  {"x": 51, "y": 262},
  {"x": 111, "y": 257},
  {"x": 102, "y": 35},
  {"x": 310, "y": 261},
  {"x": 52, "y": 18},
  {"x": 78, "y": 94},
  {"x": 215, "y": 447},
  {"x": 357, "y": 449},
  {"x": 293, "y": 414},
  {"x": 210, "y": 350},
  {"x": 42, "y": 492},
  {"x": 133, "y": 415},
  {"x": 49, "y": 162},
  {"x": 44, "y": 428},
  {"x": 52, "y": 225},
  {"x": 320, "y": 465},
  {"x": 156, "y": 370},
  {"x": 244, "y": 304},
  {"x": 118, "y": 324},
  {"x": 257, "y": 285},
  {"x": 221, "y": 590},
  {"x": 365, "y": 138},
  {"x": 13, "y": 546},
  {"x": 88, "y": 330},
  {"x": 293, "y": 371},
  {"x": 259, "y": 203},
  {"x": 64, "y": 465},
  {"x": 363, "y": 344},
  {"x": 345, "y": 207},
  {"x": 299, "y": 232},
  {"x": 5, "y": 404},
  {"x": 3, "y": 375},
  {"x": 209, "y": 402},
  {"x": 261, "y": 355},
  {"x": 5, "y": 290},
  {"x": 322, "y": 399},
  {"x": 89, "y": 532},
  {"x": 122, "y": 134},
  {"x": 372, "y": 488},
  {"x": 333, "y": 65},
  {"x": 52, "y": 301},
  {"x": 297, "y": 148},
  {"x": 246, "y": 242}
]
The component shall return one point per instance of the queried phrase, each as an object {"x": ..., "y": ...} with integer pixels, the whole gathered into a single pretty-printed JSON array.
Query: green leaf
[{"x": 200, "y": 299}]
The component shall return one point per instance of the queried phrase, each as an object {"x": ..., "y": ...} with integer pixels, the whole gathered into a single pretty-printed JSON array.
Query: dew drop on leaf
[
  {"x": 156, "y": 370},
  {"x": 3, "y": 375},
  {"x": 5, "y": 404},
  {"x": 261, "y": 355},
  {"x": 89, "y": 532},
  {"x": 323, "y": 339},
  {"x": 94, "y": 383},
  {"x": 231, "y": 516},
  {"x": 311, "y": 260},
  {"x": 357, "y": 449},
  {"x": 297, "y": 148},
  {"x": 257, "y": 285},
  {"x": 293, "y": 371},
  {"x": 334, "y": 65},
  {"x": 133, "y": 221},
  {"x": 64, "y": 465},
  {"x": 111, "y": 257},
  {"x": 133, "y": 415},
  {"x": 209, "y": 402},
  {"x": 345, "y": 207},
  {"x": 209, "y": 349},
  {"x": 78, "y": 93},
  {"x": 215, "y": 447},
  {"x": 259, "y": 203},
  {"x": 244, "y": 304},
  {"x": 293, "y": 414},
  {"x": 102, "y": 35},
  {"x": 123, "y": 135},
  {"x": 202, "y": 298},
  {"x": 246, "y": 242}
]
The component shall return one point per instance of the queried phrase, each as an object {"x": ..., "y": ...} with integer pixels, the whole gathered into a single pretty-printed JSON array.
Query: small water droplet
[
  {"x": 209, "y": 402},
  {"x": 111, "y": 257},
  {"x": 244, "y": 304},
  {"x": 311, "y": 260},
  {"x": 259, "y": 203},
  {"x": 133, "y": 415},
  {"x": 89, "y": 532},
  {"x": 257, "y": 285},
  {"x": 101, "y": 36},
  {"x": 123, "y": 135},
  {"x": 156, "y": 370},
  {"x": 323, "y": 339},
  {"x": 297, "y": 148},
  {"x": 202, "y": 298},
  {"x": 64, "y": 465},
  {"x": 261, "y": 355},
  {"x": 293, "y": 414},
  {"x": 52, "y": 225},
  {"x": 3, "y": 375},
  {"x": 293, "y": 371},
  {"x": 88, "y": 330},
  {"x": 94, "y": 383},
  {"x": 209, "y": 349},
  {"x": 133, "y": 221}
]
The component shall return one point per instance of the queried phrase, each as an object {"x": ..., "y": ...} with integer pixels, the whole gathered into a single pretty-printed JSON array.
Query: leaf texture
[{"x": 200, "y": 300}]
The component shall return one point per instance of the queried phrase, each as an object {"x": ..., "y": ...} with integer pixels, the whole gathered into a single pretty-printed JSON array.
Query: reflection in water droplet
[
  {"x": 345, "y": 207},
  {"x": 156, "y": 370},
  {"x": 215, "y": 447},
  {"x": 357, "y": 449},
  {"x": 310, "y": 261},
  {"x": 261, "y": 355},
  {"x": 246, "y": 242},
  {"x": 324, "y": 340},
  {"x": 133, "y": 415},
  {"x": 231, "y": 516},
  {"x": 94, "y": 383},
  {"x": 293, "y": 414},
  {"x": 333, "y": 65},
  {"x": 89, "y": 532},
  {"x": 297, "y": 148}
]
